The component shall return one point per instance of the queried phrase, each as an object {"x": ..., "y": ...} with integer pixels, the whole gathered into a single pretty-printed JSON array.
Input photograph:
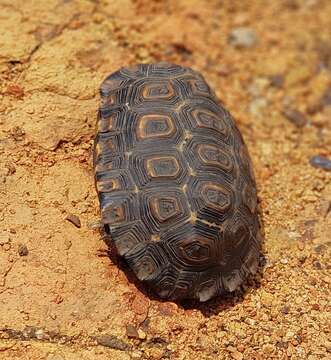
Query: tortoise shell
[{"x": 175, "y": 183}]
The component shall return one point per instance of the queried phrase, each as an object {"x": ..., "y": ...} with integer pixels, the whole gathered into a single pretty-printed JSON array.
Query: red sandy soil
[{"x": 59, "y": 300}]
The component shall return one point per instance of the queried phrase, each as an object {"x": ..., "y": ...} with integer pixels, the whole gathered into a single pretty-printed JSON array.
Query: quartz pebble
[{"x": 243, "y": 37}]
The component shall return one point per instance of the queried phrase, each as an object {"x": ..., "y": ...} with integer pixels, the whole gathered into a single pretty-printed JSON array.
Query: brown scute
[{"x": 180, "y": 201}]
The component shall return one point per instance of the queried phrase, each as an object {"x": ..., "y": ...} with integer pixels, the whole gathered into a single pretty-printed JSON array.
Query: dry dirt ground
[{"x": 61, "y": 300}]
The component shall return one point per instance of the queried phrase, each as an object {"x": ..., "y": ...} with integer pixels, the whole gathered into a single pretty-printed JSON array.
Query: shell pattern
[{"x": 175, "y": 183}]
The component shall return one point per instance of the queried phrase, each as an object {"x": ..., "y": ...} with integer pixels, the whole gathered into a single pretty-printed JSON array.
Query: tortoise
[{"x": 175, "y": 182}]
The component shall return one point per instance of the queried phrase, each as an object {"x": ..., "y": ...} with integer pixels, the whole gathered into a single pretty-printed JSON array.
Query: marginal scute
[
  {"x": 108, "y": 185},
  {"x": 232, "y": 280},
  {"x": 113, "y": 214},
  {"x": 117, "y": 209},
  {"x": 252, "y": 260},
  {"x": 146, "y": 260},
  {"x": 175, "y": 182},
  {"x": 129, "y": 235},
  {"x": 207, "y": 290},
  {"x": 110, "y": 118},
  {"x": 113, "y": 181}
]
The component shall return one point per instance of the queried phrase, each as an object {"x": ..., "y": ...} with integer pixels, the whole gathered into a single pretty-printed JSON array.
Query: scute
[{"x": 175, "y": 182}]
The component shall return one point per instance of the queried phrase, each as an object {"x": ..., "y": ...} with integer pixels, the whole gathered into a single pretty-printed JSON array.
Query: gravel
[{"x": 321, "y": 162}]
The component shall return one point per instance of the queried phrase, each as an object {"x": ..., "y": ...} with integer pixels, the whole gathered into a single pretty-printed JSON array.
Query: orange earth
[{"x": 61, "y": 300}]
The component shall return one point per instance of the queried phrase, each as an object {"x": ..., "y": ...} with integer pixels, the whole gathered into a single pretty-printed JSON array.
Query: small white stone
[
  {"x": 39, "y": 334},
  {"x": 141, "y": 334},
  {"x": 243, "y": 37}
]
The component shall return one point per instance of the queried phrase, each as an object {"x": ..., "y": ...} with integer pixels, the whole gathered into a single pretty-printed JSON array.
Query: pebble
[
  {"x": 74, "y": 219},
  {"x": 132, "y": 332},
  {"x": 39, "y": 334},
  {"x": 22, "y": 250},
  {"x": 141, "y": 334},
  {"x": 250, "y": 322},
  {"x": 321, "y": 162},
  {"x": 317, "y": 265},
  {"x": 296, "y": 117},
  {"x": 243, "y": 37},
  {"x": 29, "y": 332},
  {"x": 112, "y": 341},
  {"x": 289, "y": 335}
]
